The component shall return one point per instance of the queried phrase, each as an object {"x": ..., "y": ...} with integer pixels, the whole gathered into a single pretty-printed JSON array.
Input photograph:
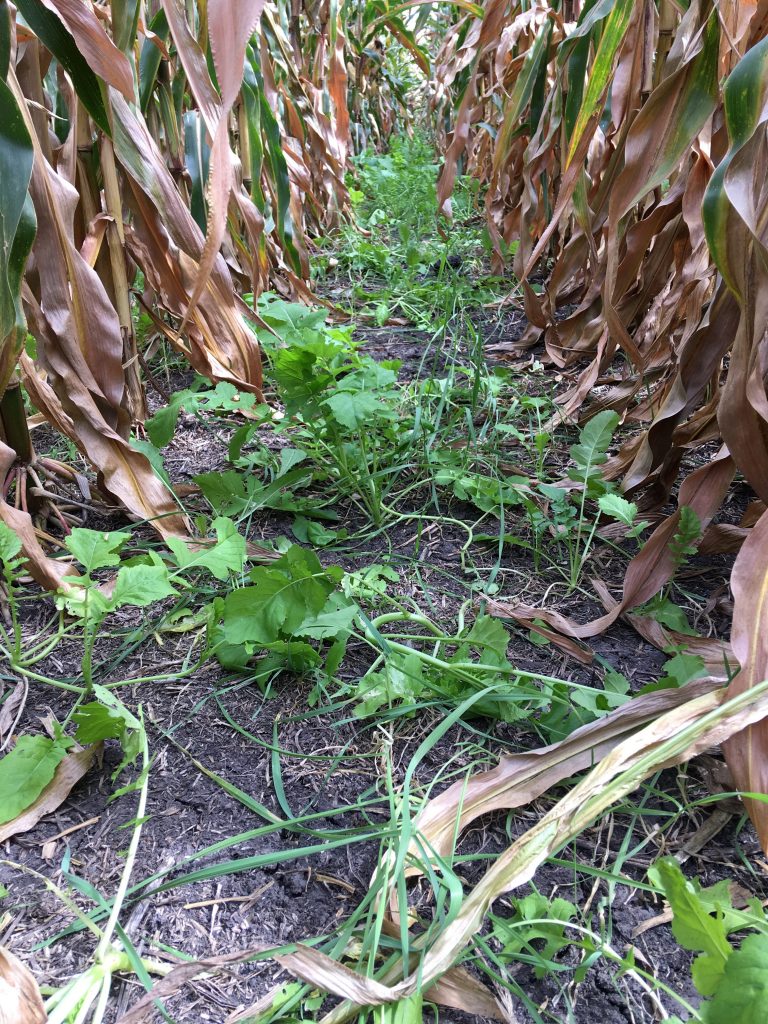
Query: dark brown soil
[{"x": 208, "y": 725}]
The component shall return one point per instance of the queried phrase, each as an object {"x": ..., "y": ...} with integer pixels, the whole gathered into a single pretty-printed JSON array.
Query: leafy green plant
[
  {"x": 343, "y": 407},
  {"x": 198, "y": 399},
  {"x": 286, "y": 606},
  {"x": 570, "y": 519},
  {"x": 732, "y": 980},
  {"x": 138, "y": 585},
  {"x": 11, "y": 566},
  {"x": 27, "y": 769},
  {"x": 535, "y": 932},
  {"x": 399, "y": 262},
  {"x": 142, "y": 580}
]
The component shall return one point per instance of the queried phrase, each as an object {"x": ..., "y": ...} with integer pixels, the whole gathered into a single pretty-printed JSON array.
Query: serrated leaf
[
  {"x": 682, "y": 668},
  {"x": 290, "y": 457},
  {"x": 400, "y": 681},
  {"x": 489, "y": 639},
  {"x": 335, "y": 618},
  {"x": 665, "y": 611},
  {"x": 94, "y": 549},
  {"x": 590, "y": 451},
  {"x": 742, "y": 994},
  {"x": 618, "y": 508},
  {"x": 536, "y": 920},
  {"x": 226, "y": 556},
  {"x": 108, "y": 718},
  {"x": 142, "y": 585},
  {"x": 693, "y": 925},
  {"x": 685, "y": 540},
  {"x": 284, "y": 596},
  {"x": 224, "y": 491},
  {"x": 26, "y": 770},
  {"x": 285, "y": 655},
  {"x": 10, "y": 545},
  {"x": 353, "y": 409}
]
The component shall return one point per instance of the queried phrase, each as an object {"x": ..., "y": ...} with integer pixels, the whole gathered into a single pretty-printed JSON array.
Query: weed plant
[
  {"x": 349, "y": 452},
  {"x": 400, "y": 257}
]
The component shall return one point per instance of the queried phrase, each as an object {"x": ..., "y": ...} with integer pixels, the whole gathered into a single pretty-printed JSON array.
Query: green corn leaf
[
  {"x": 125, "y": 18},
  {"x": 154, "y": 458},
  {"x": 665, "y": 128},
  {"x": 519, "y": 98},
  {"x": 149, "y": 61},
  {"x": 274, "y": 157},
  {"x": 17, "y": 221},
  {"x": 602, "y": 69},
  {"x": 575, "y": 50},
  {"x": 197, "y": 154},
  {"x": 745, "y": 97}
]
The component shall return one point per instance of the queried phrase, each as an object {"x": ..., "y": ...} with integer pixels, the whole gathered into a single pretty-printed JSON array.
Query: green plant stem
[
  {"x": 13, "y": 607},
  {"x": 133, "y": 850},
  {"x": 27, "y": 673}
]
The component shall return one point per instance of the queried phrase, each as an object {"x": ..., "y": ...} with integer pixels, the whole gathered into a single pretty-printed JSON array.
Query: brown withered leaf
[
  {"x": 520, "y": 778},
  {"x": 675, "y": 736},
  {"x": 103, "y": 57},
  {"x": 717, "y": 655},
  {"x": 46, "y": 571},
  {"x": 230, "y": 26},
  {"x": 167, "y": 244},
  {"x": 80, "y": 346},
  {"x": 746, "y": 752},
  {"x": 20, "y": 999}
]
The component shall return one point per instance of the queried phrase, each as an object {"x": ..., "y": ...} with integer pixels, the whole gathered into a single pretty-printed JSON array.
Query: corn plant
[{"x": 626, "y": 159}]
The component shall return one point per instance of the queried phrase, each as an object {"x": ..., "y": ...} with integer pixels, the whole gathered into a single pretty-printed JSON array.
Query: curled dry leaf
[
  {"x": 20, "y": 999},
  {"x": 520, "y": 778},
  {"x": 230, "y": 27},
  {"x": 456, "y": 989},
  {"x": 747, "y": 753},
  {"x": 675, "y": 736},
  {"x": 93, "y": 42},
  {"x": 46, "y": 571}
]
